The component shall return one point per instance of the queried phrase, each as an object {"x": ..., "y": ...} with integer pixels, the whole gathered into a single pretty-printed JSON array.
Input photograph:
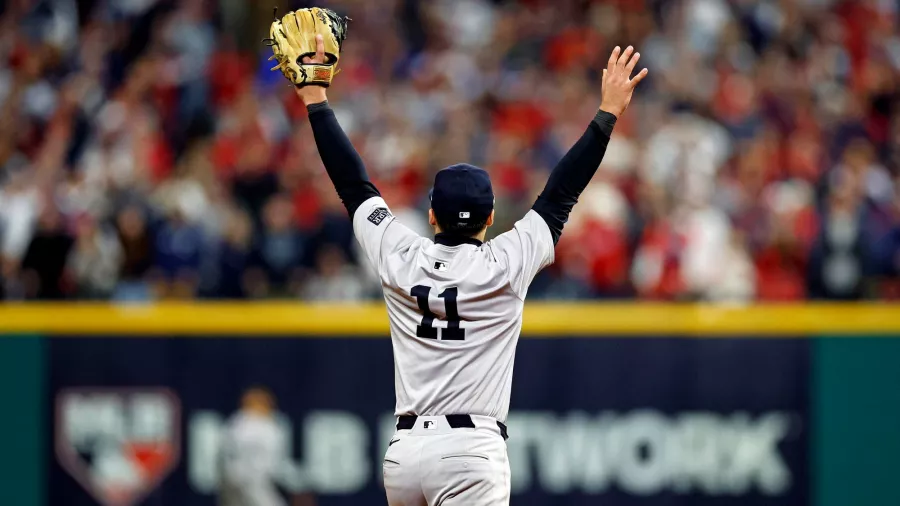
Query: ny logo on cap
[{"x": 465, "y": 215}]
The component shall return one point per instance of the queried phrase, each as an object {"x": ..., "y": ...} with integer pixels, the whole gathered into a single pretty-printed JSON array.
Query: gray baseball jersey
[{"x": 455, "y": 311}]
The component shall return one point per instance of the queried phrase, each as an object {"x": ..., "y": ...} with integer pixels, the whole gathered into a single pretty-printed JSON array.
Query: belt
[{"x": 406, "y": 422}]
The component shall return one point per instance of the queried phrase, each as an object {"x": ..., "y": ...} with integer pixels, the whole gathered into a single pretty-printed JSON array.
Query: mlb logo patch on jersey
[
  {"x": 428, "y": 424},
  {"x": 378, "y": 215},
  {"x": 440, "y": 266}
]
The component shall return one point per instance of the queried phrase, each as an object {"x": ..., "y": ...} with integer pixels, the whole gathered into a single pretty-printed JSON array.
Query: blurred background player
[{"x": 252, "y": 451}]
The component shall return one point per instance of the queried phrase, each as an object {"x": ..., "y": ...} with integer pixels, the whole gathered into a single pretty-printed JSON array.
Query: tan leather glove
[{"x": 293, "y": 37}]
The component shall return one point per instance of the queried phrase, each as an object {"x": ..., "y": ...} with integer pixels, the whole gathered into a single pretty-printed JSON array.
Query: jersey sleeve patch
[{"x": 378, "y": 215}]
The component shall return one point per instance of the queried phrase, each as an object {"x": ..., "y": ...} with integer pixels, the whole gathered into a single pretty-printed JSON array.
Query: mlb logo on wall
[{"x": 119, "y": 444}]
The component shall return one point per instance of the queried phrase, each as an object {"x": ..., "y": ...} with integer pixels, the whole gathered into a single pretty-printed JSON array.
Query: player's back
[
  {"x": 455, "y": 321},
  {"x": 455, "y": 309}
]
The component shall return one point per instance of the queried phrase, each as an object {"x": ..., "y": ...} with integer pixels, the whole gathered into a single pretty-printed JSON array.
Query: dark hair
[{"x": 463, "y": 229}]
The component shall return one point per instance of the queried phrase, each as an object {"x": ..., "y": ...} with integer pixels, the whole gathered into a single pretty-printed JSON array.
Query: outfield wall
[{"x": 629, "y": 404}]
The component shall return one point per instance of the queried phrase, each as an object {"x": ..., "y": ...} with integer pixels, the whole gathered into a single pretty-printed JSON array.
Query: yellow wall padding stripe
[{"x": 370, "y": 320}]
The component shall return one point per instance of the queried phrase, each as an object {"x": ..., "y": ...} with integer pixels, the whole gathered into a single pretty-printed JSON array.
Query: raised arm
[
  {"x": 574, "y": 171},
  {"x": 342, "y": 162}
]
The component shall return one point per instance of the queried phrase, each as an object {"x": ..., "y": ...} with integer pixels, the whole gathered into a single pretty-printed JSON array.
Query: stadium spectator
[
  {"x": 335, "y": 280},
  {"x": 178, "y": 251},
  {"x": 137, "y": 254},
  {"x": 94, "y": 260},
  {"x": 43, "y": 267},
  {"x": 233, "y": 257},
  {"x": 841, "y": 257},
  {"x": 280, "y": 251}
]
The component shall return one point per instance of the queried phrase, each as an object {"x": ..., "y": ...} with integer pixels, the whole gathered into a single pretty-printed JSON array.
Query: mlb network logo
[{"x": 119, "y": 444}]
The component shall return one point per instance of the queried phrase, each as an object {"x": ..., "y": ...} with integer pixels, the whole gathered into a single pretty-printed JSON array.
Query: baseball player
[
  {"x": 253, "y": 448},
  {"x": 454, "y": 301}
]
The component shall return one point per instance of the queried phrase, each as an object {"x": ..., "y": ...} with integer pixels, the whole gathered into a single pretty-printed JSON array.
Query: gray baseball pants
[{"x": 433, "y": 464}]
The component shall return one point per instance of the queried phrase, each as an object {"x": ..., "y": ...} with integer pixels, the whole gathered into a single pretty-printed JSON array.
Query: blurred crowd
[{"x": 147, "y": 152}]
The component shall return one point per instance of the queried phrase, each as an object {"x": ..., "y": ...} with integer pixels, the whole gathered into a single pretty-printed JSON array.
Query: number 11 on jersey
[{"x": 426, "y": 328}]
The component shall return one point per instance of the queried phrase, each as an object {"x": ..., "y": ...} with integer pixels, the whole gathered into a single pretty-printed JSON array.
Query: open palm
[{"x": 618, "y": 85}]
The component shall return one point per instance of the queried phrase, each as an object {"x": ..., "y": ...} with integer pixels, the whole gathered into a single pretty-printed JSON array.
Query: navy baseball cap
[{"x": 462, "y": 194}]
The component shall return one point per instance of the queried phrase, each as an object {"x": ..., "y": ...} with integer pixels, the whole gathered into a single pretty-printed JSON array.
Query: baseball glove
[{"x": 293, "y": 37}]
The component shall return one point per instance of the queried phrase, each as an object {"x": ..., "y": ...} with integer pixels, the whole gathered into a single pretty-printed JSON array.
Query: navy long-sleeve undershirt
[
  {"x": 569, "y": 178},
  {"x": 573, "y": 173},
  {"x": 342, "y": 162}
]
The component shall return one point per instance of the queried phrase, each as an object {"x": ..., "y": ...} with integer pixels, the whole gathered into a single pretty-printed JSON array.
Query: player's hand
[
  {"x": 314, "y": 94},
  {"x": 618, "y": 86}
]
